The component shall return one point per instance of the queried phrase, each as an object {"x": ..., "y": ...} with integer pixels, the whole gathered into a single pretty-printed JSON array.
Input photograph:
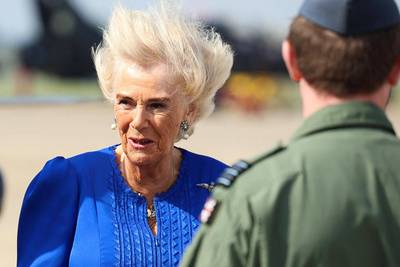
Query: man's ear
[
  {"x": 289, "y": 56},
  {"x": 394, "y": 74}
]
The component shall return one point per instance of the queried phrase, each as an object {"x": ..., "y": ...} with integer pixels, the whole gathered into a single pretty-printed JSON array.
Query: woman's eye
[
  {"x": 157, "y": 105},
  {"x": 124, "y": 103}
]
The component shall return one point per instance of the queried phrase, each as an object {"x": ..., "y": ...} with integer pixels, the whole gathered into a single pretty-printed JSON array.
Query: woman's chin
[{"x": 141, "y": 157}]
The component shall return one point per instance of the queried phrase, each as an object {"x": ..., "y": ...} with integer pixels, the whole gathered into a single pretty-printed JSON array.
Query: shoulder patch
[
  {"x": 230, "y": 174},
  {"x": 227, "y": 178},
  {"x": 208, "y": 210}
]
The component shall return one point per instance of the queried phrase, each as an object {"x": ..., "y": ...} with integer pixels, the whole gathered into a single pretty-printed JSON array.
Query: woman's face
[{"x": 148, "y": 111}]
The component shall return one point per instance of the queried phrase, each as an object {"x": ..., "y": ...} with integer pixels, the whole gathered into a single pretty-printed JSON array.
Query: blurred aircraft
[
  {"x": 253, "y": 53},
  {"x": 63, "y": 47}
]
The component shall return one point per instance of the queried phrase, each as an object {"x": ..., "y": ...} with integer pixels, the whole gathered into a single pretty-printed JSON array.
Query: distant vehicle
[{"x": 63, "y": 47}]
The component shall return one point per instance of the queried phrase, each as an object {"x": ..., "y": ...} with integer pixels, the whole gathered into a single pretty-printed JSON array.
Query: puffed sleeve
[{"x": 48, "y": 216}]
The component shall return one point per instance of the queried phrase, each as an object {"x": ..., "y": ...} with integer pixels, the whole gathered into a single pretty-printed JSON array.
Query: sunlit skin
[{"x": 148, "y": 110}]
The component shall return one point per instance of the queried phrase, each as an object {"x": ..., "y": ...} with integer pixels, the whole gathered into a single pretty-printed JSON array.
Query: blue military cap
[{"x": 351, "y": 17}]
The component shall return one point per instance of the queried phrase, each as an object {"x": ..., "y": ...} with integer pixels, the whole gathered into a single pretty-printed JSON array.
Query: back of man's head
[{"x": 346, "y": 47}]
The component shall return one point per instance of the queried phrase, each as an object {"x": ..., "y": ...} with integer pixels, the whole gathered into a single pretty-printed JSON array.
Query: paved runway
[{"x": 32, "y": 134}]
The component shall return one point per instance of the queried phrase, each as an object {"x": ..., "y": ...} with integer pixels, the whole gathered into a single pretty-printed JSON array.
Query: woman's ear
[
  {"x": 191, "y": 113},
  {"x": 394, "y": 74},
  {"x": 289, "y": 56}
]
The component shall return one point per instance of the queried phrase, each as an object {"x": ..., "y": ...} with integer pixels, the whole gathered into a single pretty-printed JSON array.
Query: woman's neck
[{"x": 149, "y": 180}]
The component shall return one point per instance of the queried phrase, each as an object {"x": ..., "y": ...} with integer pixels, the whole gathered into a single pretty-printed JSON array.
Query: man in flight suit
[{"x": 331, "y": 197}]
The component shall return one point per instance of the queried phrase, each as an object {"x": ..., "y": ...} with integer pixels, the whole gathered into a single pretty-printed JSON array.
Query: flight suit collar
[{"x": 354, "y": 114}]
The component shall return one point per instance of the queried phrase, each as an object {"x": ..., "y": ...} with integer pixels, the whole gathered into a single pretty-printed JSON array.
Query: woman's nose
[{"x": 139, "y": 118}]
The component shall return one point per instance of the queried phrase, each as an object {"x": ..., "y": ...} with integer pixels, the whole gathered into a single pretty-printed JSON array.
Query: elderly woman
[{"x": 136, "y": 203}]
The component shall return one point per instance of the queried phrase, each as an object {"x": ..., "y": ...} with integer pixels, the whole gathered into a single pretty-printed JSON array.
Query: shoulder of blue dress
[
  {"x": 202, "y": 160},
  {"x": 52, "y": 177},
  {"x": 105, "y": 153},
  {"x": 101, "y": 158},
  {"x": 201, "y": 168},
  {"x": 88, "y": 165}
]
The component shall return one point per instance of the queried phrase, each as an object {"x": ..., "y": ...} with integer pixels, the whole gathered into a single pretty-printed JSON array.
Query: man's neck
[{"x": 313, "y": 100}]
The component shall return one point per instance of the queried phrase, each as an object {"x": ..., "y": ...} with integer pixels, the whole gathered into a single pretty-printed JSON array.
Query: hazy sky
[{"x": 18, "y": 17}]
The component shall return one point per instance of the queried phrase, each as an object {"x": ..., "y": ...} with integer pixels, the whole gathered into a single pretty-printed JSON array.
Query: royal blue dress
[{"x": 80, "y": 212}]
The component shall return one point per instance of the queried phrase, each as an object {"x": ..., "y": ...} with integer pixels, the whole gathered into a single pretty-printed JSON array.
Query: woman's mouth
[{"x": 140, "y": 143}]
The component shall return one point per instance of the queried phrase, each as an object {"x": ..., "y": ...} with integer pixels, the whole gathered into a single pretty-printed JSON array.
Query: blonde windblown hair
[{"x": 195, "y": 56}]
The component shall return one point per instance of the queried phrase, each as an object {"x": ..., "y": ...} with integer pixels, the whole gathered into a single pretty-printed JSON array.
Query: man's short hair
[{"x": 343, "y": 65}]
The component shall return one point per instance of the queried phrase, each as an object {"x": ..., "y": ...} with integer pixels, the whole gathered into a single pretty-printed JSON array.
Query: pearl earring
[
  {"x": 114, "y": 125},
  {"x": 184, "y": 129}
]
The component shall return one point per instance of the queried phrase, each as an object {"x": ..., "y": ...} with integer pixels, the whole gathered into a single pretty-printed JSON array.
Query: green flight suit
[{"x": 330, "y": 198}]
